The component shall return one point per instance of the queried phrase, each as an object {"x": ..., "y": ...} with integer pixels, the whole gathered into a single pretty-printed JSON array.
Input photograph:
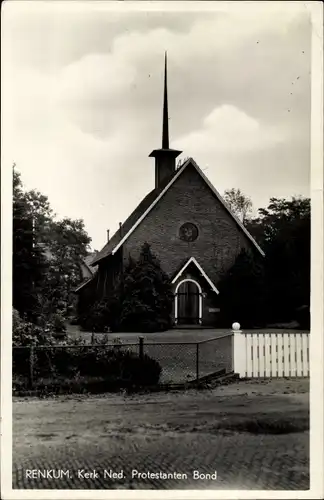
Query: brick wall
[{"x": 190, "y": 200}]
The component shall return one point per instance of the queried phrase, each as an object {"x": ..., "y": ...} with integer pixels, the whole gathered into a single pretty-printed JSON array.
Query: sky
[{"x": 83, "y": 89}]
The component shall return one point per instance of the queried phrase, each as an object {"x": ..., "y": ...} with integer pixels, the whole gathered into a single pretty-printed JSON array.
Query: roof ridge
[{"x": 159, "y": 192}]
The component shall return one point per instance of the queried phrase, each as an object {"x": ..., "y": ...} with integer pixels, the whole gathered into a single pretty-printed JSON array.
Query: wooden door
[{"x": 188, "y": 303}]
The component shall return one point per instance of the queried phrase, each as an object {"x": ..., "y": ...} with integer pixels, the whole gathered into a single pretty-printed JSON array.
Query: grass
[
  {"x": 268, "y": 424},
  {"x": 44, "y": 387}
]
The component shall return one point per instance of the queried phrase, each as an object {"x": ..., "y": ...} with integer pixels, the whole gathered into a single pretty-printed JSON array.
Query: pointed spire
[
  {"x": 164, "y": 157},
  {"x": 165, "y": 132}
]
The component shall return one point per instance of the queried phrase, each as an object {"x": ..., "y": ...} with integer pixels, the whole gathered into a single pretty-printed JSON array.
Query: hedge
[{"x": 116, "y": 367}]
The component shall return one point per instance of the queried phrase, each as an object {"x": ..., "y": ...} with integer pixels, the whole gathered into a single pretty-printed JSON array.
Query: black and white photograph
[{"x": 162, "y": 285}]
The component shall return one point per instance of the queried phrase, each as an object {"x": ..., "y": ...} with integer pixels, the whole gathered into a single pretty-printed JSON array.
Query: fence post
[
  {"x": 197, "y": 361},
  {"x": 31, "y": 365},
  {"x": 239, "y": 350},
  {"x": 141, "y": 347}
]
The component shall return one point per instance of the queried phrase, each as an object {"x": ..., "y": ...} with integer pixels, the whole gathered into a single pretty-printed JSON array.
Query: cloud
[
  {"x": 95, "y": 76},
  {"x": 84, "y": 97},
  {"x": 229, "y": 130}
]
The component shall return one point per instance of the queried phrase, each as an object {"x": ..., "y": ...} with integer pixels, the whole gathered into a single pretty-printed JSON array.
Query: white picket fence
[{"x": 264, "y": 355}]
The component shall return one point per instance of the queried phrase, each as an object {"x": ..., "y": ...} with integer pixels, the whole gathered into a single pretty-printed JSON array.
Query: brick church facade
[{"x": 190, "y": 230}]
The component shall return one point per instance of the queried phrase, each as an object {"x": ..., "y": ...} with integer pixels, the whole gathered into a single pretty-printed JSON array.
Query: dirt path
[{"x": 163, "y": 432}]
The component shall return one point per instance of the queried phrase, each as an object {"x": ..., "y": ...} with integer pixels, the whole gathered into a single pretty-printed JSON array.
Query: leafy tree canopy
[
  {"x": 283, "y": 232},
  {"x": 281, "y": 218},
  {"x": 47, "y": 254},
  {"x": 239, "y": 203}
]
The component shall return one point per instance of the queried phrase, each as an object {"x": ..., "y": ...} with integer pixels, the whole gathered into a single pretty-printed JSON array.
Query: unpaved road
[{"x": 163, "y": 432}]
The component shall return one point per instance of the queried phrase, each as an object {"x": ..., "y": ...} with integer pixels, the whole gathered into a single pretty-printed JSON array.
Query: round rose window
[{"x": 188, "y": 232}]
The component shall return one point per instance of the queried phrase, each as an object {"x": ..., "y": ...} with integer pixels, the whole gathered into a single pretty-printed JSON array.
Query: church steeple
[
  {"x": 165, "y": 130},
  {"x": 164, "y": 157}
]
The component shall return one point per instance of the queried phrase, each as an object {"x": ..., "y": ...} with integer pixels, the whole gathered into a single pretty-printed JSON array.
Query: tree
[
  {"x": 280, "y": 215},
  {"x": 277, "y": 288},
  {"x": 242, "y": 291},
  {"x": 146, "y": 295},
  {"x": 28, "y": 261},
  {"x": 66, "y": 245},
  {"x": 240, "y": 204},
  {"x": 283, "y": 231},
  {"x": 46, "y": 255}
]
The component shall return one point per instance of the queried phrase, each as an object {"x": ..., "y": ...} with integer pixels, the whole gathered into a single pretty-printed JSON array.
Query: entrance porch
[{"x": 195, "y": 297}]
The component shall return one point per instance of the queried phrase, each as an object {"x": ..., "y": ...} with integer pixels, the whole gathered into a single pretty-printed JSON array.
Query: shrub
[
  {"x": 118, "y": 368},
  {"x": 97, "y": 318},
  {"x": 58, "y": 322},
  {"x": 25, "y": 333},
  {"x": 74, "y": 320},
  {"x": 115, "y": 366},
  {"x": 146, "y": 295},
  {"x": 102, "y": 314},
  {"x": 141, "y": 372},
  {"x": 141, "y": 301},
  {"x": 123, "y": 368},
  {"x": 94, "y": 361}
]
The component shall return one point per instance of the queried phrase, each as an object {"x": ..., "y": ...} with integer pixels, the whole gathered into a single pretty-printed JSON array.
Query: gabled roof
[
  {"x": 85, "y": 266},
  {"x": 200, "y": 269},
  {"x": 84, "y": 262},
  {"x": 149, "y": 203},
  {"x": 130, "y": 222},
  {"x": 88, "y": 261},
  {"x": 82, "y": 285}
]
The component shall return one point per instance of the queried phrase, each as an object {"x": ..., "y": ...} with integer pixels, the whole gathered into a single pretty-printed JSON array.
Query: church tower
[{"x": 165, "y": 157}]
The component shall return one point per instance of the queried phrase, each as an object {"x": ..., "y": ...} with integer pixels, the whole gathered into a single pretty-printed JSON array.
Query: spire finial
[{"x": 165, "y": 132}]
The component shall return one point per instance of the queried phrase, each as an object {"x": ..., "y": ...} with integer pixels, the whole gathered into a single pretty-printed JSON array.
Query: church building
[{"x": 189, "y": 228}]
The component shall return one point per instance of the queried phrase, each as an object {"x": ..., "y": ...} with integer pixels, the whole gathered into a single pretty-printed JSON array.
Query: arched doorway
[{"x": 188, "y": 303}]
